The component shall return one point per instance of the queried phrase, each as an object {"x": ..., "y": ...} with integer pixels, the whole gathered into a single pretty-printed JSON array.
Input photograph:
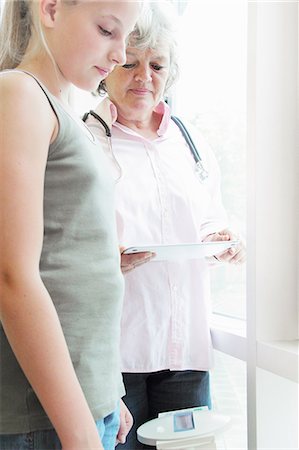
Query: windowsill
[
  {"x": 278, "y": 357},
  {"x": 229, "y": 324},
  {"x": 229, "y": 336}
]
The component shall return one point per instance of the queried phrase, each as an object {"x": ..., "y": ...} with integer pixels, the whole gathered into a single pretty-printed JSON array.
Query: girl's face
[
  {"x": 137, "y": 87},
  {"x": 87, "y": 39}
]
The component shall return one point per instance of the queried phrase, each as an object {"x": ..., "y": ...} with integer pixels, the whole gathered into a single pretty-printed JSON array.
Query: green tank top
[{"x": 80, "y": 267}]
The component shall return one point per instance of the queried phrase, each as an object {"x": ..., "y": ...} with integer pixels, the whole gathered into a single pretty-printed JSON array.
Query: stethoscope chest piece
[{"x": 201, "y": 172}]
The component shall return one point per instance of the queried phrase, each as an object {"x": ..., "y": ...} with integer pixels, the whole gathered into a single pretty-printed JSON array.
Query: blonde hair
[{"x": 18, "y": 20}]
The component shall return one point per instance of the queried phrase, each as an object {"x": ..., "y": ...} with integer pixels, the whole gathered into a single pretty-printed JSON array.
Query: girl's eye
[
  {"x": 104, "y": 32},
  {"x": 157, "y": 67},
  {"x": 128, "y": 66}
]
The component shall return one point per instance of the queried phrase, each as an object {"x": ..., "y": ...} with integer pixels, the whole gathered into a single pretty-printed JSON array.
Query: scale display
[{"x": 183, "y": 421}]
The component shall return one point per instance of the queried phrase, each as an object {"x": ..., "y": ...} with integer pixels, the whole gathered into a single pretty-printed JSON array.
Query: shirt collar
[{"x": 162, "y": 109}]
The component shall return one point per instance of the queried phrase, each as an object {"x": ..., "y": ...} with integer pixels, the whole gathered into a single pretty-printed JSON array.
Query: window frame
[{"x": 268, "y": 340}]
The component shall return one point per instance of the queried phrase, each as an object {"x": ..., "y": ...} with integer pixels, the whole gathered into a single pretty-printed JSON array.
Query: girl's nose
[{"x": 118, "y": 54}]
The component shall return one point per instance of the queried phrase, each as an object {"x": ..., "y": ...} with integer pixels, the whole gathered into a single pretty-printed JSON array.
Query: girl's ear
[{"x": 48, "y": 12}]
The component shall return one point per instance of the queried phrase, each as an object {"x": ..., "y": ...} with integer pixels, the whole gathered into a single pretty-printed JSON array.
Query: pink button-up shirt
[{"x": 160, "y": 200}]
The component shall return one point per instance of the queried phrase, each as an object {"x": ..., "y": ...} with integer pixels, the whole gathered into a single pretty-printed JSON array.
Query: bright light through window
[{"x": 211, "y": 94}]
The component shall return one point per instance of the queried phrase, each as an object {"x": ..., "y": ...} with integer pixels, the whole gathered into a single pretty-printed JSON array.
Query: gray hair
[{"x": 154, "y": 28}]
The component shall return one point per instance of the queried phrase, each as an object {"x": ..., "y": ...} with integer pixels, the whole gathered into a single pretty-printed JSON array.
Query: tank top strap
[
  {"x": 63, "y": 116},
  {"x": 51, "y": 98}
]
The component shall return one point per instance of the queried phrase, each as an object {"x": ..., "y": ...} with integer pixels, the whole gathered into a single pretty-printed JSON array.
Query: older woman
[{"x": 166, "y": 346}]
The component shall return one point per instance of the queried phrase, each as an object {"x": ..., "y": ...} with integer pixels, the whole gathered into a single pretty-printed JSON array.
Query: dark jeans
[
  {"x": 151, "y": 393},
  {"x": 48, "y": 439}
]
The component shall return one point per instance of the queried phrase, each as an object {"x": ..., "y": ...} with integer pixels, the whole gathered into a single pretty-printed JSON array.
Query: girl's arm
[{"x": 28, "y": 315}]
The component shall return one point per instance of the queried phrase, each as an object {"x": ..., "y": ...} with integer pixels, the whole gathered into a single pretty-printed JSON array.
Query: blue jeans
[
  {"x": 147, "y": 394},
  {"x": 48, "y": 439}
]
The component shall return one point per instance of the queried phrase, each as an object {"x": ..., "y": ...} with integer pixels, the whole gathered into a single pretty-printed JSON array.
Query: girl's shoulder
[
  {"x": 22, "y": 100},
  {"x": 18, "y": 85}
]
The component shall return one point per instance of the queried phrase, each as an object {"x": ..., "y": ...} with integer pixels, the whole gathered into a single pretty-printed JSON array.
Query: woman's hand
[
  {"x": 233, "y": 255},
  {"x": 130, "y": 262},
  {"x": 126, "y": 422},
  {"x": 107, "y": 111}
]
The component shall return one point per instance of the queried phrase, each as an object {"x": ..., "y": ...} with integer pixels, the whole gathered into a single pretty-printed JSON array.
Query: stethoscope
[
  {"x": 96, "y": 116},
  {"x": 108, "y": 135},
  {"x": 200, "y": 171}
]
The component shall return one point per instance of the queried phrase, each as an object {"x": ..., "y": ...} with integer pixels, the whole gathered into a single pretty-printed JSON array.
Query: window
[
  {"x": 211, "y": 94},
  {"x": 269, "y": 61}
]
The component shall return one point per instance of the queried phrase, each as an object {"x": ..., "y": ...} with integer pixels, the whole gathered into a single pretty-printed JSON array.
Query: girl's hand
[
  {"x": 126, "y": 422},
  {"x": 130, "y": 262},
  {"x": 233, "y": 255}
]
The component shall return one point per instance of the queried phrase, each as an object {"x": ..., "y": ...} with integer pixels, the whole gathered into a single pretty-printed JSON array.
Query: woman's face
[{"x": 138, "y": 86}]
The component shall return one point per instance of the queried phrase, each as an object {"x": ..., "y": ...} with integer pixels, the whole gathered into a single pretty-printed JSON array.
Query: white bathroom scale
[{"x": 192, "y": 423}]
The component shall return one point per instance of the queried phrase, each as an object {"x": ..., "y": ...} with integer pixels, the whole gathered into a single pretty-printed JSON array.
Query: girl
[{"x": 61, "y": 285}]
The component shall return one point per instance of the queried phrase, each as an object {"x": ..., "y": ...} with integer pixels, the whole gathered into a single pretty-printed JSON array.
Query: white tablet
[{"x": 183, "y": 251}]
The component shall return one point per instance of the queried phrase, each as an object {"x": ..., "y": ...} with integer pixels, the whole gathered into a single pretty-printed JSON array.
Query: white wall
[{"x": 272, "y": 302}]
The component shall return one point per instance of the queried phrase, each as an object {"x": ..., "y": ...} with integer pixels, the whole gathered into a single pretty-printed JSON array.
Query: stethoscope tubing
[{"x": 201, "y": 171}]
